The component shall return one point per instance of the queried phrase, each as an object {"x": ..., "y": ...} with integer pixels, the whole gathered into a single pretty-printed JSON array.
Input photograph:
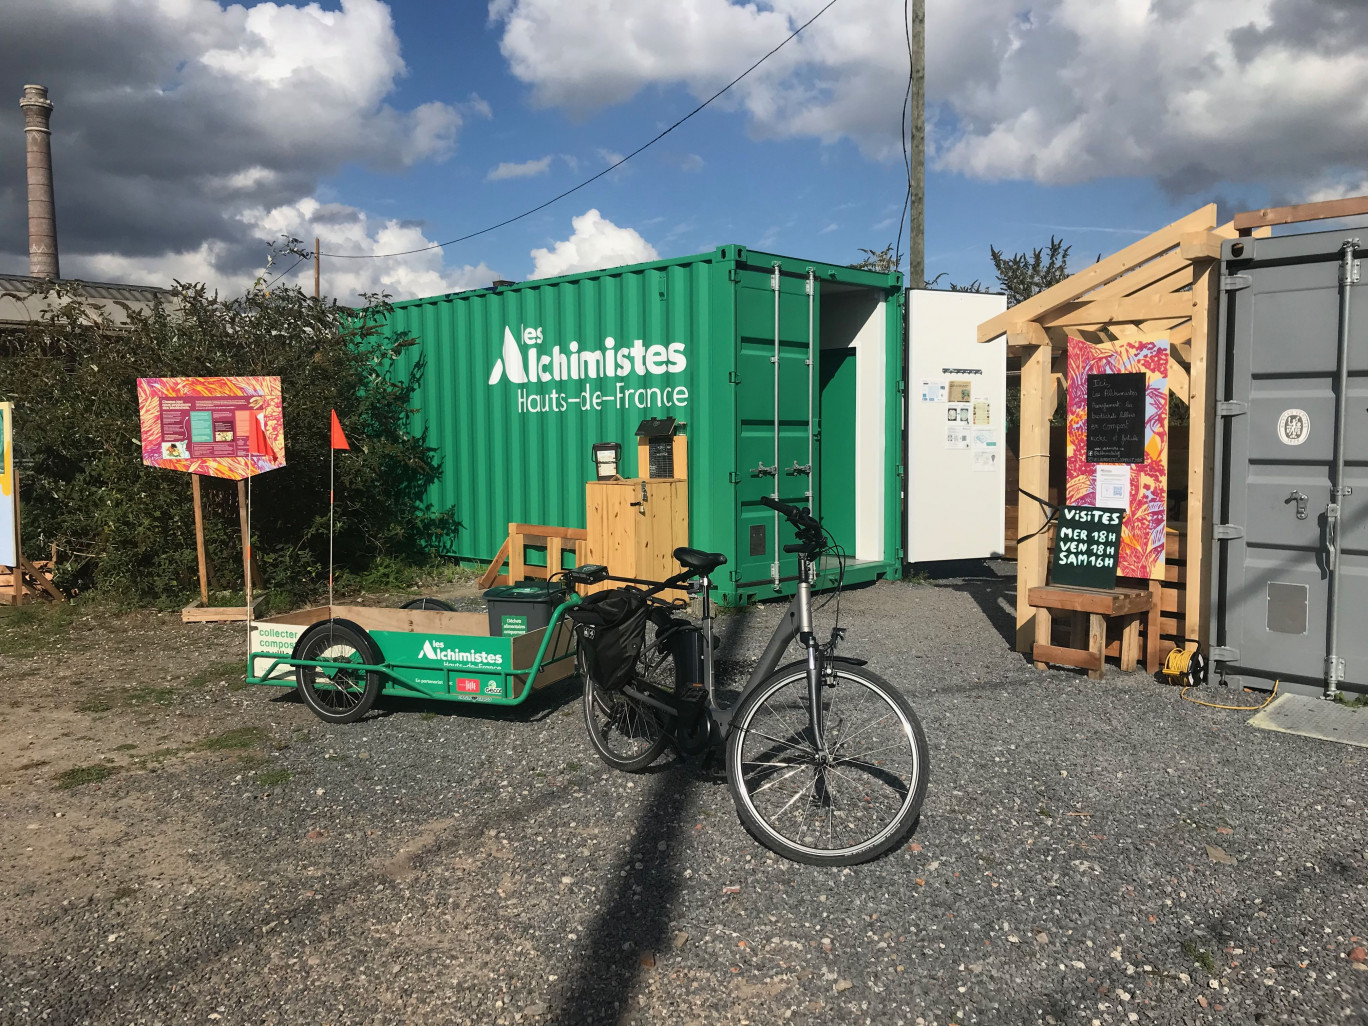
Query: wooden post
[
  {"x": 916, "y": 176},
  {"x": 1201, "y": 453},
  {"x": 315, "y": 267},
  {"x": 246, "y": 546},
  {"x": 1033, "y": 461},
  {"x": 199, "y": 540}
]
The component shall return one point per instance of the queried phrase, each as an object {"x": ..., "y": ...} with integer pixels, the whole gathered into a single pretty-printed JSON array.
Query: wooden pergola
[{"x": 1165, "y": 285}]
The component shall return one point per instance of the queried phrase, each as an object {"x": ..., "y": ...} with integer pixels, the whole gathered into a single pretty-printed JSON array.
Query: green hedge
[{"x": 127, "y": 529}]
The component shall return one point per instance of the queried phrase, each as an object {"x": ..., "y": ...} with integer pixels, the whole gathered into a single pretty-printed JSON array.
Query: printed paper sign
[
  {"x": 932, "y": 391},
  {"x": 217, "y": 427},
  {"x": 9, "y": 487},
  {"x": 985, "y": 460},
  {"x": 960, "y": 390},
  {"x": 1113, "y": 486},
  {"x": 981, "y": 413},
  {"x": 956, "y": 435}
]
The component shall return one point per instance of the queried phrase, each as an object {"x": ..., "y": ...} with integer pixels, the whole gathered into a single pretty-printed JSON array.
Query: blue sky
[{"x": 189, "y": 134}]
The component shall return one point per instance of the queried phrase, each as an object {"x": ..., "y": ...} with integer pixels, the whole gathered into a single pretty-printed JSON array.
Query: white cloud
[
  {"x": 596, "y": 243},
  {"x": 342, "y": 229},
  {"x": 177, "y": 119},
  {"x": 1192, "y": 92},
  {"x": 527, "y": 169}
]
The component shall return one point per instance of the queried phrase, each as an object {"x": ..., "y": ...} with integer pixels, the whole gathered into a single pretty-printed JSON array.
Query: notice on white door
[
  {"x": 1112, "y": 481},
  {"x": 932, "y": 391}
]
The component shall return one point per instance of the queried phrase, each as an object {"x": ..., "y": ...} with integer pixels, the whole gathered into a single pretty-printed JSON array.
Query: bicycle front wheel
[{"x": 851, "y": 805}]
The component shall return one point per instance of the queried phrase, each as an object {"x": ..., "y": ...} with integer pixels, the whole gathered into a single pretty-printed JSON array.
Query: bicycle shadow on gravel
[
  {"x": 540, "y": 705},
  {"x": 632, "y": 924}
]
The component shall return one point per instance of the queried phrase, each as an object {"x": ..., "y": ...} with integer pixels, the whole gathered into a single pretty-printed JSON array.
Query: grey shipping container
[
  {"x": 787, "y": 374},
  {"x": 1290, "y": 553}
]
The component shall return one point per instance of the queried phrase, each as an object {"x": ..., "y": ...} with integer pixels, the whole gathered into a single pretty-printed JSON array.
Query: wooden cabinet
[{"x": 634, "y": 526}]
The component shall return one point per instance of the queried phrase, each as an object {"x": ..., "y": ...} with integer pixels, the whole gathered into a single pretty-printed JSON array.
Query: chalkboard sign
[
  {"x": 1116, "y": 418},
  {"x": 1087, "y": 546}
]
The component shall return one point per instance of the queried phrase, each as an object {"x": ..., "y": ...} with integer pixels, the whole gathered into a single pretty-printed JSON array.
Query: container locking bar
[{"x": 1334, "y": 664}]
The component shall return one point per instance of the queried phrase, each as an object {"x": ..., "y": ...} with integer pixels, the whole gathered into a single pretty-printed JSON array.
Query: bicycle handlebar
[{"x": 798, "y": 516}]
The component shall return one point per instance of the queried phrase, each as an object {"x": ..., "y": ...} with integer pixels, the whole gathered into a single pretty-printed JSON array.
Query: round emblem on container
[{"x": 1293, "y": 427}]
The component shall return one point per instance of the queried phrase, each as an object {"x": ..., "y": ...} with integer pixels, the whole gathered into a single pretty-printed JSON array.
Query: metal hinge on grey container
[
  {"x": 1353, "y": 272},
  {"x": 1231, "y": 408},
  {"x": 1222, "y": 654},
  {"x": 1235, "y": 282},
  {"x": 1226, "y": 532}
]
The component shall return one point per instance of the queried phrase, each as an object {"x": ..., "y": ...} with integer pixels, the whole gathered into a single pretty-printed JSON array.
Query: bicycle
[{"x": 825, "y": 760}]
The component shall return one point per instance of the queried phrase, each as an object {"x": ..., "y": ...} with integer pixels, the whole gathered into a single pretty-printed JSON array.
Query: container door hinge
[
  {"x": 774, "y": 278},
  {"x": 1334, "y": 669},
  {"x": 734, "y": 377},
  {"x": 1349, "y": 275},
  {"x": 900, "y": 470},
  {"x": 1231, "y": 408},
  {"x": 733, "y": 274},
  {"x": 902, "y": 388},
  {"x": 1226, "y": 532},
  {"x": 734, "y": 576},
  {"x": 1235, "y": 282},
  {"x": 734, "y": 477},
  {"x": 1223, "y": 654}
]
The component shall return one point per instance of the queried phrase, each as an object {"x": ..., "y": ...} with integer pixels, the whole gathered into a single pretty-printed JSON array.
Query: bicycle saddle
[{"x": 698, "y": 560}]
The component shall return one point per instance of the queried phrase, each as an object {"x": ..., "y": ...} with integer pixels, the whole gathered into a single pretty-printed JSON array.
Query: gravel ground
[{"x": 1088, "y": 853}]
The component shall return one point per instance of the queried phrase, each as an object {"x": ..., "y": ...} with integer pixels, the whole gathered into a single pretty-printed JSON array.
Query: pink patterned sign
[
  {"x": 1140, "y": 488},
  {"x": 217, "y": 427}
]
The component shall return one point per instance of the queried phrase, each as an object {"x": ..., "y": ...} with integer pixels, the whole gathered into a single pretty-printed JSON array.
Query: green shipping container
[{"x": 521, "y": 380}]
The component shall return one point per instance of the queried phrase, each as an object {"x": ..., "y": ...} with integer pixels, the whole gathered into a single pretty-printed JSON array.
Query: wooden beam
[
  {"x": 1178, "y": 381},
  {"x": 1351, "y": 206},
  {"x": 1200, "y": 246},
  {"x": 1184, "y": 347},
  {"x": 1201, "y": 455},
  {"x": 1033, "y": 475},
  {"x": 1144, "y": 276},
  {"x": 1071, "y": 288},
  {"x": 1027, "y": 333},
  {"x": 1122, "y": 308},
  {"x": 491, "y": 573}
]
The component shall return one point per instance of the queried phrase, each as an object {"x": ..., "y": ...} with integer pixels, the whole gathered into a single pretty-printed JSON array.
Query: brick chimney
[{"x": 42, "y": 215}]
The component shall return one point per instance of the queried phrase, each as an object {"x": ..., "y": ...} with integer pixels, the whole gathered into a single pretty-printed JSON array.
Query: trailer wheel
[
  {"x": 441, "y": 605},
  {"x": 337, "y": 695}
]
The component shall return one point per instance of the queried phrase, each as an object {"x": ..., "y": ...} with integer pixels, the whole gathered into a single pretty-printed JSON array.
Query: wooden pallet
[{"x": 35, "y": 582}]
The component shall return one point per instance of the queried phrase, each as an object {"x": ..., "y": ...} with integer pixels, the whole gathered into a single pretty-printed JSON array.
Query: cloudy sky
[{"x": 189, "y": 134}]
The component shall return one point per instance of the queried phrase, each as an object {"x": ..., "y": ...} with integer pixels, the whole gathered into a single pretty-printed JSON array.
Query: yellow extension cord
[
  {"x": 1232, "y": 708},
  {"x": 1177, "y": 664}
]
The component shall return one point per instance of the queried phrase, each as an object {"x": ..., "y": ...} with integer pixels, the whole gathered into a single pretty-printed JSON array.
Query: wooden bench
[{"x": 1091, "y": 611}]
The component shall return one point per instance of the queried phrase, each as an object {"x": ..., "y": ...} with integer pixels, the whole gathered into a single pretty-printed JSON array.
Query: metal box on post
[
  {"x": 787, "y": 373},
  {"x": 1290, "y": 519}
]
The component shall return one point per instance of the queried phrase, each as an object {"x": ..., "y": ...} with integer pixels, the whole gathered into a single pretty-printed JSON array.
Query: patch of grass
[
  {"x": 28, "y": 630},
  {"x": 232, "y": 672},
  {"x": 149, "y": 696},
  {"x": 231, "y": 740},
  {"x": 161, "y": 753},
  {"x": 273, "y": 777},
  {"x": 570, "y": 767},
  {"x": 124, "y": 748},
  {"x": 1199, "y": 957},
  {"x": 78, "y": 776},
  {"x": 1045, "y": 812},
  {"x": 916, "y": 576},
  {"x": 94, "y": 705},
  {"x": 428, "y": 716},
  {"x": 1357, "y": 702},
  {"x": 124, "y": 891}
]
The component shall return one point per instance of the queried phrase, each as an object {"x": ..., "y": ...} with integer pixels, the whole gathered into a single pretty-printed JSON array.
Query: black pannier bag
[{"x": 611, "y": 626}]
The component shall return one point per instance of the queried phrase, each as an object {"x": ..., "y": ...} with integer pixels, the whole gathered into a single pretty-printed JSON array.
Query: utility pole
[
  {"x": 316, "y": 263},
  {"x": 916, "y": 176}
]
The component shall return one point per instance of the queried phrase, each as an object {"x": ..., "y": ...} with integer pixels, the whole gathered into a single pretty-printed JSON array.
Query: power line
[
  {"x": 285, "y": 272},
  {"x": 611, "y": 167}
]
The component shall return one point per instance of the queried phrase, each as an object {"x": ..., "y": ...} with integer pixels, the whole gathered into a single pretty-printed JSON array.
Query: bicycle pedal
[{"x": 692, "y": 693}]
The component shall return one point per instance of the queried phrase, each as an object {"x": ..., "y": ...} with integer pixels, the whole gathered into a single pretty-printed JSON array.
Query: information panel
[
  {"x": 218, "y": 427},
  {"x": 1116, "y": 418},
  {"x": 1087, "y": 547},
  {"x": 9, "y": 487}
]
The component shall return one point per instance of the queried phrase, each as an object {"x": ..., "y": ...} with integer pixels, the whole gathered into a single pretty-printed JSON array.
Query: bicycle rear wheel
[
  {"x": 627, "y": 733},
  {"x": 852, "y": 806}
]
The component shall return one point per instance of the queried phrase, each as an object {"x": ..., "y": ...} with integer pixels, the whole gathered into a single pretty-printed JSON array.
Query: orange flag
[
  {"x": 257, "y": 442},
  {"x": 339, "y": 440}
]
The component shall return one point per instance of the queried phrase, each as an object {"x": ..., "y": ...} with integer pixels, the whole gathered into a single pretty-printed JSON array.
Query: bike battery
[{"x": 517, "y": 609}]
